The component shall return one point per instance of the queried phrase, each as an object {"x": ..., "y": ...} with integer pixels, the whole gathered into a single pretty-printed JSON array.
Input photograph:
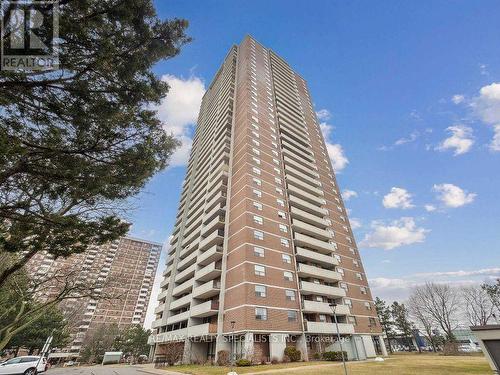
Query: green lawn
[{"x": 406, "y": 364}]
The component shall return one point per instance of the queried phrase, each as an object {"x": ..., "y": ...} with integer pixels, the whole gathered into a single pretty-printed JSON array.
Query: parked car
[{"x": 25, "y": 365}]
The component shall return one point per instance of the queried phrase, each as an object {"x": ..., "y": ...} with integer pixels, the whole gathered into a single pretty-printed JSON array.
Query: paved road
[{"x": 102, "y": 370}]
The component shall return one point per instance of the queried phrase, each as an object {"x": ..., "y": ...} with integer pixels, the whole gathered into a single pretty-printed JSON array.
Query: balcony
[
  {"x": 329, "y": 328},
  {"x": 307, "y": 186},
  {"x": 309, "y": 162},
  {"x": 324, "y": 308},
  {"x": 164, "y": 283},
  {"x": 299, "y": 171},
  {"x": 312, "y": 243},
  {"x": 211, "y": 255},
  {"x": 185, "y": 287},
  {"x": 215, "y": 238},
  {"x": 178, "y": 318},
  {"x": 313, "y": 256},
  {"x": 306, "y": 270},
  {"x": 312, "y": 230},
  {"x": 307, "y": 287},
  {"x": 162, "y": 295},
  {"x": 308, "y": 218},
  {"x": 186, "y": 274},
  {"x": 205, "y": 309},
  {"x": 217, "y": 210},
  {"x": 216, "y": 223},
  {"x": 306, "y": 206},
  {"x": 199, "y": 330},
  {"x": 207, "y": 290},
  {"x": 187, "y": 261},
  {"x": 311, "y": 198},
  {"x": 209, "y": 272},
  {"x": 157, "y": 323},
  {"x": 159, "y": 308},
  {"x": 177, "y": 335},
  {"x": 181, "y": 302}
]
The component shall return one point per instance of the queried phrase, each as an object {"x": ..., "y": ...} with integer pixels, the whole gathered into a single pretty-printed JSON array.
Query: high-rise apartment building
[
  {"x": 262, "y": 247},
  {"x": 126, "y": 270}
]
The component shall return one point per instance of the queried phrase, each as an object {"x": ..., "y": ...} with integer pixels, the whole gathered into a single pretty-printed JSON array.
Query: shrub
[
  {"x": 293, "y": 353},
  {"x": 243, "y": 362},
  {"x": 223, "y": 358},
  {"x": 334, "y": 356},
  {"x": 317, "y": 356}
]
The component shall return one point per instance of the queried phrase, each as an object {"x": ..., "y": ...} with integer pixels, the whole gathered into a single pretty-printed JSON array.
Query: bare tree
[
  {"x": 478, "y": 306},
  {"x": 441, "y": 302},
  {"x": 28, "y": 298},
  {"x": 423, "y": 319}
]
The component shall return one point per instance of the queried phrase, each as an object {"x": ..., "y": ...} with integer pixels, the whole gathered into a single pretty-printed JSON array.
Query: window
[
  {"x": 260, "y": 270},
  {"x": 256, "y": 142},
  {"x": 258, "y": 251},
  {"x": 372, "y": 321},
  {"x": 290, "y": 295},
  {"x": 276, "y": 161},
  {"x": 258, "y": 220},
  {"x": 368, "y": 306},
  {"x": 284, "y": 242},
  {"x": 292, "y": 316},
  {"x": 281, "y": 214},
  {"x": 344, "y": 286},
  {"x": 283, "y": 228},
  {"x": 348, "y": 303},
  {"x": 341, "y": 271},
  {"x": 257, "y": 206},
  {"x": 359, "y": 276},
  {"x": 257, "y": 181},
  {"x": 279, "y": 191},
  {"x": 257, "y": 234},
  {"x": 275, "y": 153},
  {"x": 260, "y": 291},
  {"x": 280, "y": 202},
  {"x": 286, "y": 258},
  {"x": 277, "y": 171},
  {"x": 256, "y": 170},
  {"x": 322, "y": 318},
  {"x": 339, "y": 259},
  {"x": 278, "y": 181},
  {"x": 362, "y": 289},
  {"x": 288, "y": 276},
  {"x": 352, "y": 320},
  {"x": 355, "y": 262},
  {"x": 253, "y": 125},
  {"x": 260, "y": 313},
  {"x": 256, "y": 161},
  {"x": 319, "y": 299},
  {"x": 255, "y": 151},
  {"x": 257, "y": 193},
  {"x": 275, "y": 145}
]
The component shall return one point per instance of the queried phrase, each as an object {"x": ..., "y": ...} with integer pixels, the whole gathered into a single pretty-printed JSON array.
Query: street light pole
[
  {"x": 232, "y": 343},
  {"x": 334, "y": 306}
]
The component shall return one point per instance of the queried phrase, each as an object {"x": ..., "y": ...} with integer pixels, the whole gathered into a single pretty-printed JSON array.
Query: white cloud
[
  {"x": 335, "y": 150},
  {"x": 397, "y": 233},
  {"x": 457, "y": 99},
  {"x": 337, "y": 156},
  {"x": 483, "y": 69},
  {"x": 324, "y": 114},
  {"x": 430, "y": 207},
  {"x": 179, "y": 112},
  {"x": 461, "y": 273},
  {"x": 461, "y": 140},
  {"x": 495, "y": 142},
  {"x": 398, "y": 198},
  {"x": 411, "y": 138},
  {"x": 355, "y": 223},
  {"x": 348, "y": 194},
  {"x": 453, "y": 196}
]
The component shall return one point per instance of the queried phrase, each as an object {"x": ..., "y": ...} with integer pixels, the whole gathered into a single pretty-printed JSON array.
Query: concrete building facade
[
  {"x": 262, "y": 246},
  {"x": 126, "y": 270}
]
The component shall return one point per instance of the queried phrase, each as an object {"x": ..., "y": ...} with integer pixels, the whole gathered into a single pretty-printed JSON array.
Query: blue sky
[{"x": 409, "y": 98}]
